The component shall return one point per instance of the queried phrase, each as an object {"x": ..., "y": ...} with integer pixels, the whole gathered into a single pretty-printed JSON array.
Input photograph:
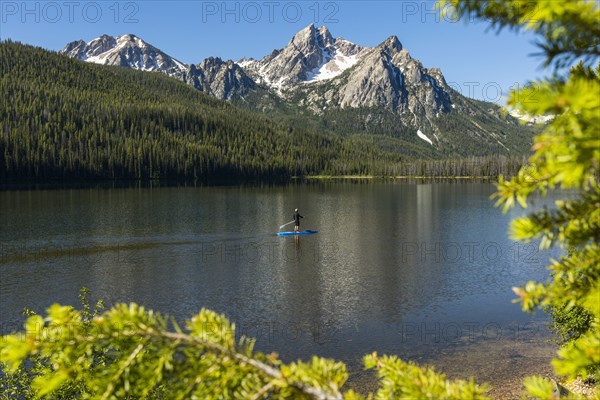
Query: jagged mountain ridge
[
  {"x": 320, "y": 74},
  {"x": 385, "y": 76},
  {"x": 125, "y": 51},
  {"x": 312, "y": 55},
  {"x": 219, "y": 78}
]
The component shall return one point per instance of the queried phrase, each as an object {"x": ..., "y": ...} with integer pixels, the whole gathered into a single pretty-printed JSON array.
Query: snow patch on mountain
[
  {"x": 312, "y": 55},
  {"x": 245, "y": 62},
  {"x": 531, "y": 119},
  {"x": 424, "y": 137},
  {"x": 125, "y": 50},
  {"x": 316, "y": 72},
  {"x": 332, "y": 67}
]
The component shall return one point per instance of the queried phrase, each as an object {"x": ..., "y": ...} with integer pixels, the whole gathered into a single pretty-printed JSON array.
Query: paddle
[{"x": 281, "y": 227}]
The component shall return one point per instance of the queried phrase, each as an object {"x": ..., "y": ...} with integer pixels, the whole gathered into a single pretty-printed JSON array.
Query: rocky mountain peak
[
  {"x": 223, "y": 79},
  {"x": 326, "y": 37},
  {"x": 304, "y": 34},
  {"x": 127, "y": 51},
  {"x": 382, "y": 77},
  {"x": 401, "y": 58},
  {"x": 128, "y": 36},
  {"x": 76, "y": 49},
  {"x": 391, "y": 45},
  {"x": 211, "y": 61},
  {"x": 312, "y": 55},
  {"x": 315, "y": 71},
  {"x": 312, "y": 40},
  {"x": 100, "y": 45}
]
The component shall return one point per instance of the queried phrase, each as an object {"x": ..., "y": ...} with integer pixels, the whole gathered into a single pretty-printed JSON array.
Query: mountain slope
[
  {"x": 384, "y": 91},
  {"x": 312, "y": 55},
  {"x": 333, "y": 85},
  {"x": 67, "y": 119},
  {"x": 125, "y": 51},
  {"x": 384, "y": 77},
  {"x": 213, "y": 76}
]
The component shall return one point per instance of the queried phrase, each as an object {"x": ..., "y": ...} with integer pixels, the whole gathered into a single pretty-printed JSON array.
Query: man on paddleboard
[{"x": 297, "y": 217}]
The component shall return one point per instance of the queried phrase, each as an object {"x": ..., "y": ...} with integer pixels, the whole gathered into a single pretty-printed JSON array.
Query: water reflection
[{"x": 410, "y": 269}]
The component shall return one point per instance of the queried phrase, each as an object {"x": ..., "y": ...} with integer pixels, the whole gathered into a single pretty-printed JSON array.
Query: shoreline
[{"x": 383, "y": 177}]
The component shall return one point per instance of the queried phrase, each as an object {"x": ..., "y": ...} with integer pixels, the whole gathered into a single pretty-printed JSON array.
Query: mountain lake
[{"x": 423, "y": 270}]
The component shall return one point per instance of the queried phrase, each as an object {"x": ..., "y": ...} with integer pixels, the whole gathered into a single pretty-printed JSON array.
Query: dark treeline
[
  {"x": 472, "y": 128},
  {"x": 484, "y": 166},
  {"x": 64, "y": 119}
]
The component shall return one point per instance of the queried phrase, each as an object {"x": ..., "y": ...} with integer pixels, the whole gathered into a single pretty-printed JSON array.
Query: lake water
[{"x": 422, "y": 270}]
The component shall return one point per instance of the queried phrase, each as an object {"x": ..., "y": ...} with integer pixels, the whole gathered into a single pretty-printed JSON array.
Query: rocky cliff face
[
  {"x": 334, "y": 73},
  {"x": 224, "y": 79},
  {"x": 385, "y": 77},
  {"x": 312, "y": 55},
  {"x": 353, "y": 76},
  {"x": 320, "y": 75},
  {"x": 125, "y": 51},
  {"x": 221, "y": 79}
]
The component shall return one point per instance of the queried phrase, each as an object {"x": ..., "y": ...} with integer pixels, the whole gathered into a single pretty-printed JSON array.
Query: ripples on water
[{"x": 420, "y": 270}]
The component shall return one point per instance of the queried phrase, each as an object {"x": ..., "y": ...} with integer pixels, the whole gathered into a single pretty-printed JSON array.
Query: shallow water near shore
[{"x": 421, "y": 270}]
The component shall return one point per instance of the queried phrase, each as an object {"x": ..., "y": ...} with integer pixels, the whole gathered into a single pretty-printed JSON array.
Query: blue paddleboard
[{"x": 296, "y": 233}]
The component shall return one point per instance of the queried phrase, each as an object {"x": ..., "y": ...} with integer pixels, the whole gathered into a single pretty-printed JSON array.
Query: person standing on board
[{"x": 297, "y": 217}]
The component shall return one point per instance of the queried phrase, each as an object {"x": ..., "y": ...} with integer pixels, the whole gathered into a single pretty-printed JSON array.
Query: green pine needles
[
  {"x": 567, "y": 156},
  {"x": 130, "y": 352},
  {"x": 63, "y": 119}
]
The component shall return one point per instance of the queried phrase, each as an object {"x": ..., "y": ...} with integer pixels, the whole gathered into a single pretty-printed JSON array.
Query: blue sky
[{"x": 478, "y": 62}]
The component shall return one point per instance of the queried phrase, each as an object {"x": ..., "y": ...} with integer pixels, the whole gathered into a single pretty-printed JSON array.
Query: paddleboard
[{"x": 296, "y": 233}]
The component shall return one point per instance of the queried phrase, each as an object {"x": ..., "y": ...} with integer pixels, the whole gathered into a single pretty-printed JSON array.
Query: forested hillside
[
  {"x": 326, "y": 84},
  {"x": 64, "y": 119},
  {"x": 478, "y": 129}
]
